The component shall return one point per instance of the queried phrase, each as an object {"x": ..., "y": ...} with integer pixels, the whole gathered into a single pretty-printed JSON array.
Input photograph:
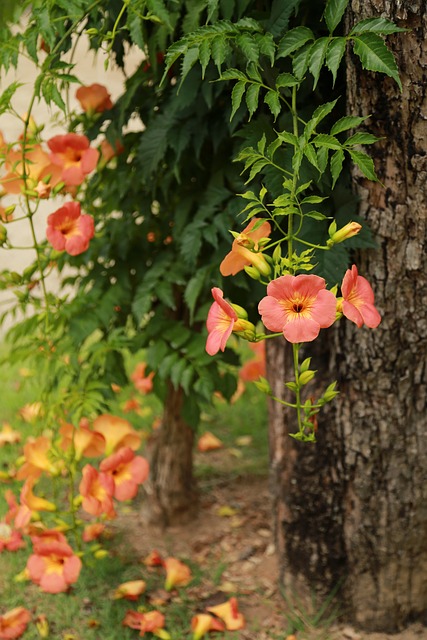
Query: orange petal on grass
[
  {"x": 178, "y": 574},
  {"x": 13, "y": 623},
  {"x": 30, "y": 412},
  {"x": 130, "y": 590},
  {"x": 154, "y": 559},
  {"x": 229, "y": 613},
  {"x": 202, "y": 623},
  {"x": 8, "y": 435},
  {"x": 209, "y": 442}
]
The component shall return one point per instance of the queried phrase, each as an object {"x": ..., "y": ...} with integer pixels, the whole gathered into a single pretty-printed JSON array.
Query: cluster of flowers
[
  {"x": 36, "y": 172},
  {"x": 296, "y": 306},
  {"x": 53, "y": 564}
]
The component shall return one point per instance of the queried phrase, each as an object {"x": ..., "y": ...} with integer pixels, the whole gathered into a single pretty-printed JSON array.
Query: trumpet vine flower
[
  {"x": 358, "y": 300},
  {"x": 127, "y": 471},
  {"x": 69, "y": 230},
  {"x": 54, "y": 566},
  {"x": 298, "y": 306},
  {"x": 244, "y": 251}
]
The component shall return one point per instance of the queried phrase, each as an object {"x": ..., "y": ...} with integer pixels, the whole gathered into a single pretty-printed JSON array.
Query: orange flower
[
  {"x": 72, "y": 153},
  {"x": 54, "y": 566},
  {"x": 209, "y": 442},
  {"x": 94, "y": 98},
  {"x": 37, "y": 160},
  {"x": 86, "y": 442},
  {"x": 127, "y": 471},
  {"x": 30, "y": 412},
  {"x": 150, "y": 622},
  {"x": 97, "y": 491},
  {"x": 243, "y": 248},
  {"x": 142, "y": 383},
  {"x": 202, "y": 623},
  {"x": 8, "y": 435},
  {"x": 37, "y": 460},
  {"x": 154, "y": 559},
  {"x": 92, "y": 531},
  {"x": 10, "y": 539},
  {"x": 117, "y": 433},
  {"x": 228, "y": 611},
  {"x": 130, "y": 590},
  {"x": 34, "y": 503},
  {"x": 108, "y": 151},
  {"x": 70, "y": 230},
  {"x": 13, "y": 623},
  {"x": 177, "y": 573},
  {"x": 254, "y": 368}
]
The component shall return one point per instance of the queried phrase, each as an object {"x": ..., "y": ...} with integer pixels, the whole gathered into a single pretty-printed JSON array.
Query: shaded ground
[{"x": 232, "y": 542}]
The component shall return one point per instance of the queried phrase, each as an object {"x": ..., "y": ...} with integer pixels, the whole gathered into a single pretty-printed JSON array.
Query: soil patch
[{"x": 232, "y": 541}]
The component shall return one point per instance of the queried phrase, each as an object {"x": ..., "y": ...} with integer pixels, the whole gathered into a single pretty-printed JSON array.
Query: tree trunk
[
  {"x": 354, "y": 506},
  {"x": 170, "y": 490}
]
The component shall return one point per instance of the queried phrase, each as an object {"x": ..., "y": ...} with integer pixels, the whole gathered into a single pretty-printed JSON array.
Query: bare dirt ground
[{"x": 232, "y": 542}]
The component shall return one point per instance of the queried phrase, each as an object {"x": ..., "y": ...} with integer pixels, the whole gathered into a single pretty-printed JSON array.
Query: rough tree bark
[
  {"x": 354, "y": 507},
  {"x": 171, "y": 496}
]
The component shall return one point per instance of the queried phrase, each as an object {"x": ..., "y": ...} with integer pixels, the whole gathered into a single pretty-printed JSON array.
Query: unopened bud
[
  {"x": 245, "y": 329},
  {"x": 253, "y": 273},
  {"x": 306, "y": 377},
  {"x": 3, "y": 235},
  {"x": 259, "y": 261},
  {"x": 241, "y": 312},
  {"x": 348, "y": 231},
  {"x": 263, "y": 385}
]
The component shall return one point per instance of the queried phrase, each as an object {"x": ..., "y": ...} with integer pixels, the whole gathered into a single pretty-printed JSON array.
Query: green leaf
[
  {"x": 375, "y": 56},
  {"x": 290, "y": 138},
  {"x": 193, "y": 290},
  {"x": 188, "y": 62},
  {"x": 377, "y": 25},
  {"x": 233, "y": 74},
  {"x": 322, "y": 158},
  {"x": 266, "y": 46},
  {"x": 6, "y": 96},
  {"x": 279, "y": 17},
  {"x": 319, "y": 114},
  {"x": 311, "y": 156},
  {"x": 323, "y": 140},
  {"x": 365, "y": 164},
  {"x": 220, "y": 50},
  {"x": 317, "y": 58},
  {"x": 334, "y": 55},
  {"x": 336, "y": 165},
  {"x": 334, "y": 11},
  {"x": 249, "y": 47},
  {"x": 236, "y": 97},
  {"x": 300, "y": 61},
  {"x": 204, "y": 55},
  {"x": 313, "y": 200},
  {"x": 252, "y": 95},
  {"x": 294, "y": 40},
  {"x": 316, "y": 215},
  {"x": 286, "y": 80},
  {"x": 361, "y": 138},
  {"x": 346, "y": 123},
  {"x": 272, "y": 99}
]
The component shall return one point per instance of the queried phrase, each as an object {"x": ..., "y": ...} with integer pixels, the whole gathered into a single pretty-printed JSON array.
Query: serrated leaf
[
  {"x": 316, "y": 215},
  {"x": 377, "y": 25},
  {"x": 324, "y": 140},
  {"x": 290, "y": 138},
  {"x": 375, "y": 56},
  {"x": 190, "y": 58},
  {"x": 249, "y": 47},
  {"x": 361, "y": 138},
  {"x": 319, "y": 114},
  {"x": 252, "y": 95},
  {"x": 300, "y": 61},
  {"x": 266, "y": 46},
  {"x": 365, "y": 164},
  {"x": 317, "y": 58},
  {"x": 279, "y": 16},
  {"x": 336, "y": 166},
  {"x": 310, "y": 154},
  {"x": 236, "y": 97},
  {"x": 294, "y": 40},
  {"x": 286, "y": 80},
  {"x": 334, "y": 55},
  {"x": 313, "y": 200},
  {"x": 322, "y": 158},
  {"x": 346, "y": 123},
  {"x": 272, "y": 99},
  {"x": 334, "y": 11},
  {"x": 233, "y": 74},
  {"x": 204, "y": 55},
  {"x": 220, "y": 50}
]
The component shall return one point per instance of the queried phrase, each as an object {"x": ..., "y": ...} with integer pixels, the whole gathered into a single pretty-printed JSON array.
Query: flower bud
[
  {"x": 241, "y": 312},
  {"x": 245, "y": 329},
  {"x": 348, "y": 231},
  {"x": 253, "y": 273},
  {"x": 3, "y": 235},
  {"x": 306, "y": 376},
  {"x": 259, "y": 262}
]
